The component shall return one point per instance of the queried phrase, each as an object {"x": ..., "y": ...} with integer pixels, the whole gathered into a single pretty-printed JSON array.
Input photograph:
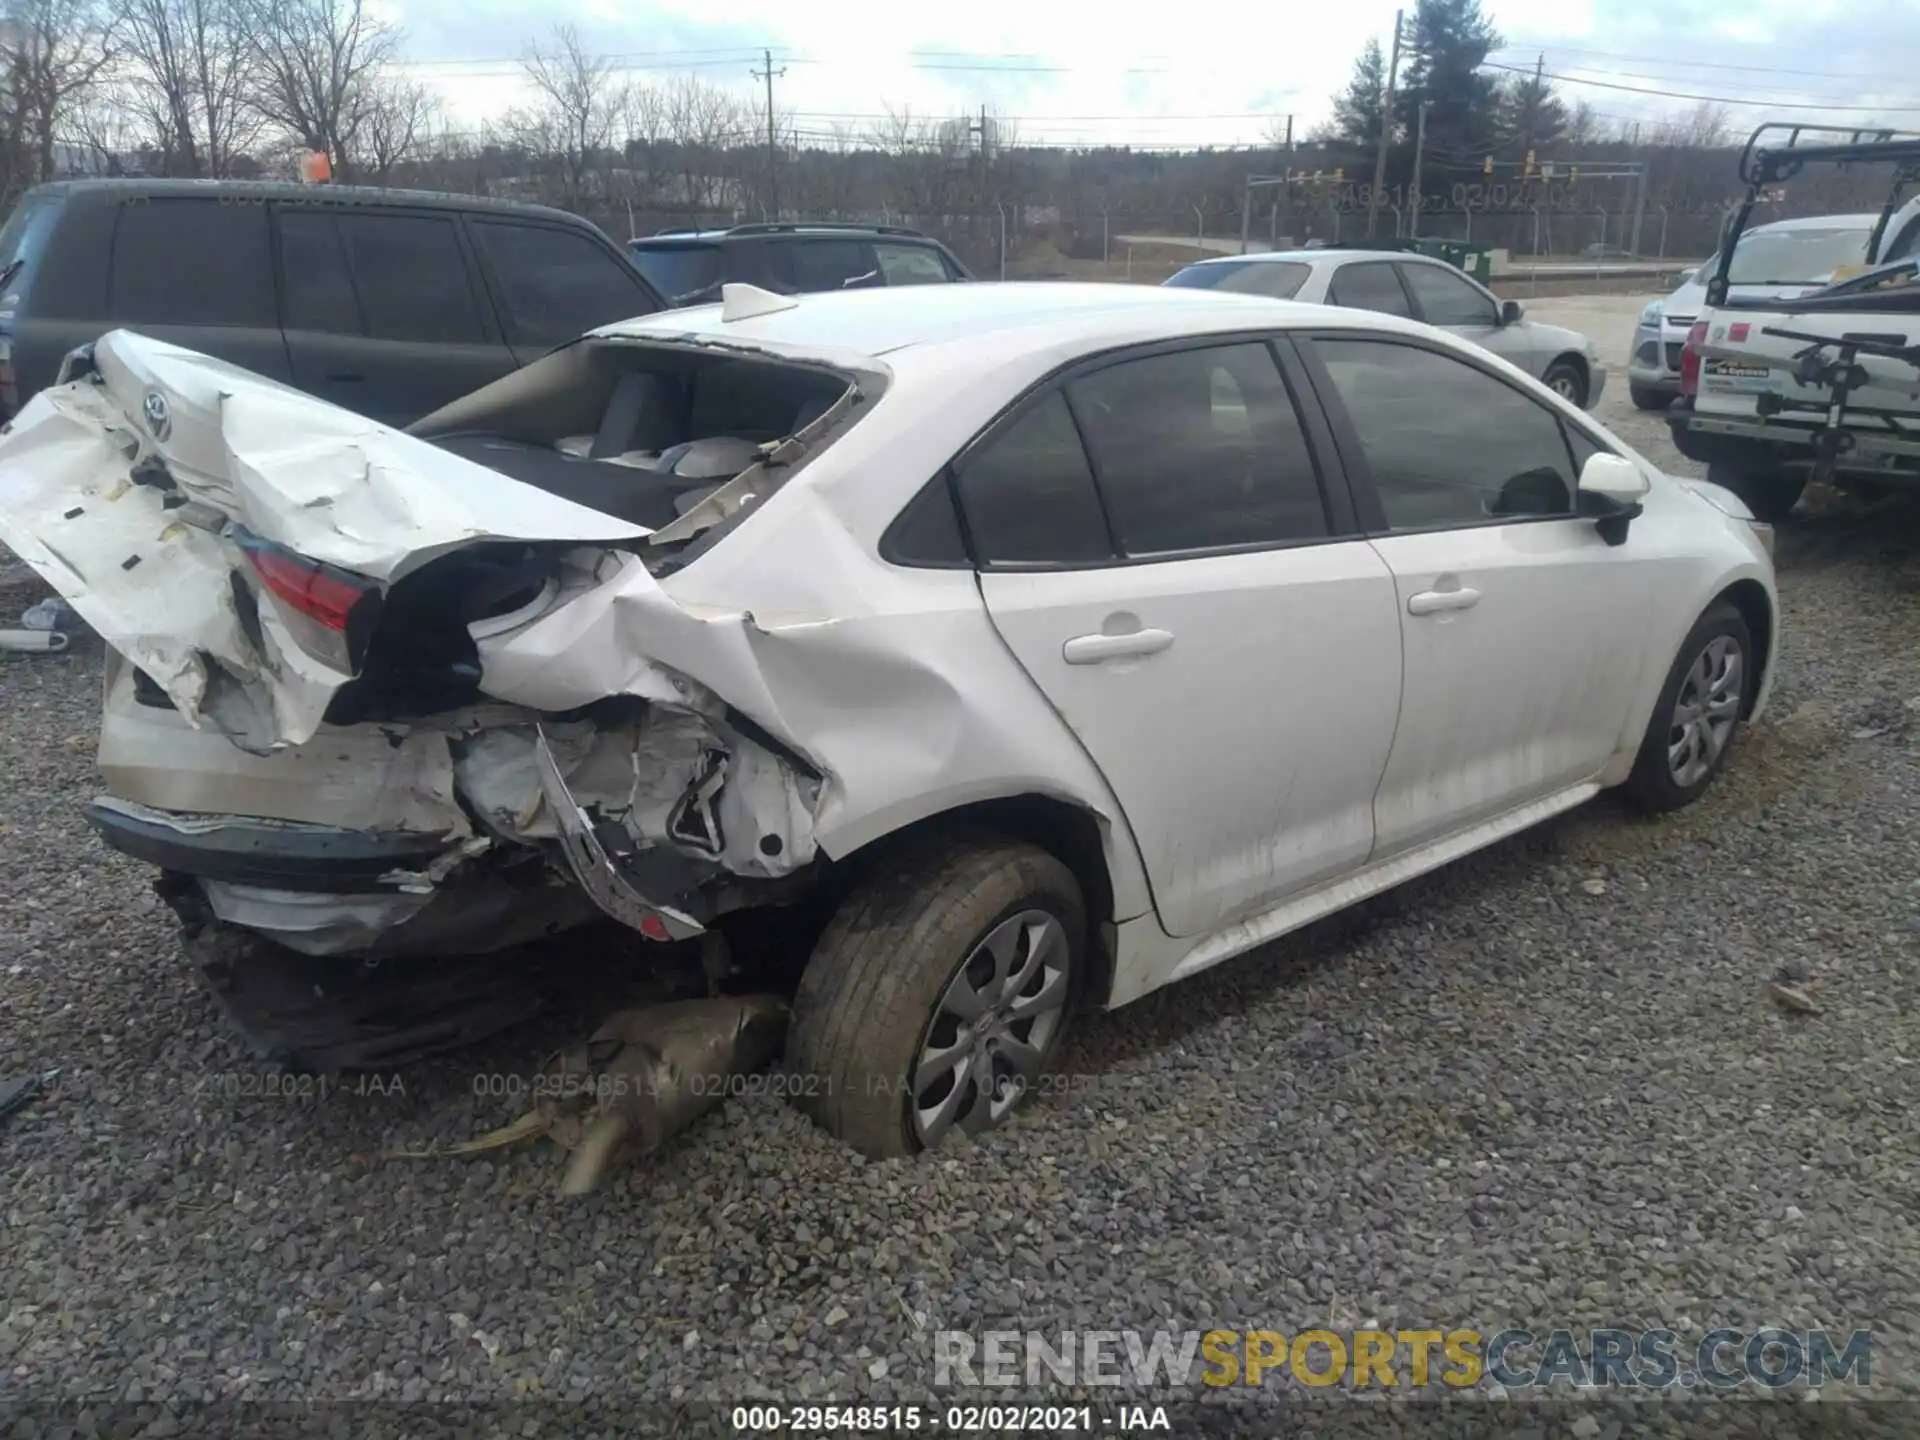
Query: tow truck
[{"x": 1775, "y": 394}]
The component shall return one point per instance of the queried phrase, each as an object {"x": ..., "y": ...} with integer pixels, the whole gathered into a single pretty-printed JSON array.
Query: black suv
[
  {"x": 690, "y": 266},
  {"x": 387, "y": 302}
]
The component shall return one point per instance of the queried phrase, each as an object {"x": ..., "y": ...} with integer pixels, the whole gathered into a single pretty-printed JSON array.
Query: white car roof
[
  {"x": 1816, "y": 222},
  {"x": 974, "y": 321},
  {"x": 1321, "y": 255}
]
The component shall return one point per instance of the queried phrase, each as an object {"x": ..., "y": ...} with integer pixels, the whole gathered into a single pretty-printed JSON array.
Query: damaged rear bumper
[{"x": 265, "y": 852}]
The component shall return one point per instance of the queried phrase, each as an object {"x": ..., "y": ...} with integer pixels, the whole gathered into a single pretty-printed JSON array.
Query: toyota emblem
[{"x": 158, "y": 414}]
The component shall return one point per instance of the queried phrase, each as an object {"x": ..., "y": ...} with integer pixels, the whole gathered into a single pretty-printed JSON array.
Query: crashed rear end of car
[{"x": 376, "y": 693}]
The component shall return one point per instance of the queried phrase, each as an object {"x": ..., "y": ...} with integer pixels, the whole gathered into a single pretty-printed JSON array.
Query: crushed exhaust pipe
[{"x": 643, "y": 1077}]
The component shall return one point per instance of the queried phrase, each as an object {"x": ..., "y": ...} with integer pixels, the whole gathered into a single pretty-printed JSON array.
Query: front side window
[
  {"x": 1369, "y": 286},
  {"x": 1199, "y": 449},
  {"x": 1446, "y": 298},
  {"x": 1446, "y": 443}
]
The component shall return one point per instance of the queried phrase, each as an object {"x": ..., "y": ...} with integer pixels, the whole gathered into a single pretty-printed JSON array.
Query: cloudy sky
[{"x": 1077, "y": 72}]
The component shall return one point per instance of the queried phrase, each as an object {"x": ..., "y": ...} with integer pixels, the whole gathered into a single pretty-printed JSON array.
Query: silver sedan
[{"x": 1421, "y": 288}]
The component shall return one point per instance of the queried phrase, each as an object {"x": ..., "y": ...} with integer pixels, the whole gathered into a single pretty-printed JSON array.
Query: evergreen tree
[
  {"x": 1441, "y": 62},
  {"x": 1356, "y": 111},
  {"x": 1530, "y": 117}
]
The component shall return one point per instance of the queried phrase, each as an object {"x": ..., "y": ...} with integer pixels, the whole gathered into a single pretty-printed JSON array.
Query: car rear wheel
[
  {"x": 1699, "y": 709},
  {"x": 1645, "y": 397},
  {"x": 1770, "y": 495},
  {"x": 1568, "y": 380},
  {"x": 937, "y": 994}
]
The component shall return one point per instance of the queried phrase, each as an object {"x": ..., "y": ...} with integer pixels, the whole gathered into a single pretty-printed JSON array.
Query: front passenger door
[
  {"x": 1523, "y": 627},
  {"x": 1177, "y": 586}
]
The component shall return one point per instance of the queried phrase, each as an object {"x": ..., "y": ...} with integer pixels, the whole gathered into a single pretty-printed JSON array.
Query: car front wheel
[
  {"x": 1567, "y": 380},
  {"x": 1645, "y": 397},
  {"x": 937, "y": 994},
  {"x": 1699, "y": 709}
]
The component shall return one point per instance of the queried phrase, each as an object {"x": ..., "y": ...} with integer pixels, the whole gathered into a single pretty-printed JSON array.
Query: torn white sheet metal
[{"x": 648, "y": 779}]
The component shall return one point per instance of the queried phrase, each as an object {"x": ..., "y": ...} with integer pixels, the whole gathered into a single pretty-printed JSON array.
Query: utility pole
[
  {"x": 1386, "y": 127},
  {"x": 773, "y": 147},
  {"x": 1286, "y": 192},
  {"x": 1533, "y": 101},
  {"x": 1419, "y": 151},
  {"x": 1640, "y": 210}
]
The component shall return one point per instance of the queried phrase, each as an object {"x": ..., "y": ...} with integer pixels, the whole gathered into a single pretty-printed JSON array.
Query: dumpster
[{"x": 1476, "y": 260}]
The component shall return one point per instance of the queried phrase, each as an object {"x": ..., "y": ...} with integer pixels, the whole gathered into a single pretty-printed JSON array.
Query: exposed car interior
[{"x": 638, "y": 432}]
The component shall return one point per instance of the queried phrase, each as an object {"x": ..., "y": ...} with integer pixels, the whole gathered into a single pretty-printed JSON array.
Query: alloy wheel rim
[
  {"x": 989, "y": 1034},
  {"x": 1705, "y": 711}
]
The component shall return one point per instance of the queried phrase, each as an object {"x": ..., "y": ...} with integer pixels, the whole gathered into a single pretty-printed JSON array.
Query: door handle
[
  {"x": 1092, "y": 649},
  {"x": 1429, "y": 602}
]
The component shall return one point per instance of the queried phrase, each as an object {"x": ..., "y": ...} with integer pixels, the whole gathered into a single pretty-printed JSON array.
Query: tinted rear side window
[
  {"x": 191, "y": 262},
  {"x": 1372, "y": 286},
  {"x": 316, "y": 292},
  {"x": 557, "y": 284},
  {"x": 1199, "y": 449},
  {"x": 412, "y": 278},
  {"x": 827, "y": 264},
  {"x": 1028, "y": 492},
  {"x": 911, "y": 264}
]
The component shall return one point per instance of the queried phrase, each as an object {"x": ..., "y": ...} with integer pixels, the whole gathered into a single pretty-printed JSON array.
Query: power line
[
  {"x": 1691, "y": 64},
  {"x": 1710, "y": 99}
]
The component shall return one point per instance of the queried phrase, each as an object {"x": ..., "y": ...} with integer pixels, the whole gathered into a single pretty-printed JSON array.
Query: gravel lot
[{"x": 1545, "y": 1086}]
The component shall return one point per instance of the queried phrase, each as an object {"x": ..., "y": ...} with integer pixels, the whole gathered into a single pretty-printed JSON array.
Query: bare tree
[
  {"x": 577, "y": 112},
  {"x": 397, "y": 126},
  {"x": 708, "y": 126},
  {"x": 188, "y": 69},
  {"x": 316, "y": 64},
  {"x": 53, "y": 53},
  {"x": 1706, "y": 126}
]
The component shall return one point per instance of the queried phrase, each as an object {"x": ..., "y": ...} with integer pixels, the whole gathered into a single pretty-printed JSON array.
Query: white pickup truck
[{"x": 1776, "y": 392}]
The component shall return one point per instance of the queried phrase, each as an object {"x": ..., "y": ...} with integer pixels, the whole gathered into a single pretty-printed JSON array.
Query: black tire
[
  {"x": 1653, "y": 785},
  {"x": 1567, "y": 378},
  {"x": 1645, "y": 397},
  {"x": 1769, "y": 494},
  {"x": 877, "y": 978}
]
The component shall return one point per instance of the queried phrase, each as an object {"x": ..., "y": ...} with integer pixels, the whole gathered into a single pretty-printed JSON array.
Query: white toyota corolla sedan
[{"x": 1054, "y": 642}]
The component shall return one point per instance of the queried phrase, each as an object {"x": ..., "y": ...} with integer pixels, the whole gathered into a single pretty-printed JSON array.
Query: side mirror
[
  {"x": 1512, "y": 312},
  {"x": 1611, "y": 489}
]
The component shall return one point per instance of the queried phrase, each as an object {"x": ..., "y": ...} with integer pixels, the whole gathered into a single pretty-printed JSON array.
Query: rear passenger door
[
  {"x": 381, "y": 310},
  {"x": 198, "y": 273},
  {"x": 554, "y": 284},
  {"x": 1159, "y": 550}
]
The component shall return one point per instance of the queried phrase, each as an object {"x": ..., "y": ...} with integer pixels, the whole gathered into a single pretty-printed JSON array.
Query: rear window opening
[{"x": 641, "y": 432}]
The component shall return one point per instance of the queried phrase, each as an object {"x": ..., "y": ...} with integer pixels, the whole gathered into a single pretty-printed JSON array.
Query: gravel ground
[{"x": 1544, "y": 1086}]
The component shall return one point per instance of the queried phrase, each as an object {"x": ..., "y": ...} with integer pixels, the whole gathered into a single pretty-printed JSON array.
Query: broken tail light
[
  {"x": 330, "y": 612},
  {"x": 1690, "y": 358}
]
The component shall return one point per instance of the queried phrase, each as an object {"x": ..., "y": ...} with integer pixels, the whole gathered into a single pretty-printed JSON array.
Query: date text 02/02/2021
[{"x": 953, "y": 1419}]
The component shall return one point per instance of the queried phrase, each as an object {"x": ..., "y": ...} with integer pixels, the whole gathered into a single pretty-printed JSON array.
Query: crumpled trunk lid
[{"x": 134, "y": 491}]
